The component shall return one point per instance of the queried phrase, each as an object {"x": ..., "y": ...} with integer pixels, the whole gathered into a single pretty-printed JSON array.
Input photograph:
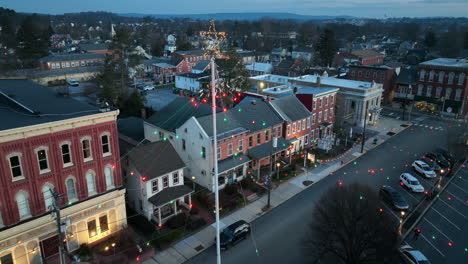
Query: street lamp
[
  {"x": 400, "y": 227},
  {"x": 278, "y": 165},
  {"x": 193, "y": 182}
]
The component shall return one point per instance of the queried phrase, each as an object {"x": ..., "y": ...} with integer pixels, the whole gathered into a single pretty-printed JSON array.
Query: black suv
[
  {"x": 393, "y": 197},
  {"x": 433, "y": 165},
  {"x": 234, "y": 233},
  {"x": 439, "y": 158}
]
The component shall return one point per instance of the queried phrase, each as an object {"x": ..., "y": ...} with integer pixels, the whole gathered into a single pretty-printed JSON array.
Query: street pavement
[
  {"x": 444, "y": 227},
  {"x": 276, "y": 237}
]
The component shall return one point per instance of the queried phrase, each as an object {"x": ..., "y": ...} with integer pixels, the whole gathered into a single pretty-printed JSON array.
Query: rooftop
[
  {"x": 201, "y": 65},
  {"x": 26, "y": 103},
  {"x": 189, "y": 52},
  {"x": 94, "y": 47},
  {"x": 72, "y": 56},
  {"x": 340, "y": 83},
  {"x": 316, "y": 91},
  {"x": 447, "y": 62},
  {"x": 272, "y": 78},
  {"x": 366, "y": 53},
  {"x": 131, "y": 127},
  {"x": 192, "y": 75},
  {"x": 290, "y": 108},
  {"x": 259, "y": 66}
]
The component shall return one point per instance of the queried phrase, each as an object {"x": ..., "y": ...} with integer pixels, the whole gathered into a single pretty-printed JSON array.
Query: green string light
[
  {"x": 263, "y": 123},
  {"x": 361, "y": 197},
  {"x": 239, "y": 110},
  {"x": 177, "y": 136},
  {"x": 69, "y": 202},
  {"x": 225, "y": 119},
  {"x": 155, "y": 132},
  {"x": 164, "y": 138}
]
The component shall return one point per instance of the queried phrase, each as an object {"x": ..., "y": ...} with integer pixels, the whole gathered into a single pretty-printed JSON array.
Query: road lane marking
[
  {"x": 460, "y": 188},
  {"x": 452, "y": 208},
  {"x": 427, "y": 240},
  {"x": 446, "y": 219},
  {"x": 463, "y": 202},
  {"x": 440, "y": 231}
]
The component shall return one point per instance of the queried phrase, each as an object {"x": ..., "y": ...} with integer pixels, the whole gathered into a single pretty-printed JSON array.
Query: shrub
[
  {"x": 162, "y": 239},
  {"x": 196, "y": 223},
  {"x": 177, "y": 221},
  {"x": 230, "y": 189}
]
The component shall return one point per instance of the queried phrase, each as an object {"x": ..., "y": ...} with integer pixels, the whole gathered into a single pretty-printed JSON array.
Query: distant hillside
[{"x": 241, "y": 16}]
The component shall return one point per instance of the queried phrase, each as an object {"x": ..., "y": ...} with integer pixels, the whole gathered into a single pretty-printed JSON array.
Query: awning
[
  {"x": 169, "y": 194},
  {"x": 265, "y": 149},
  {"x": 232, "y": 162}
]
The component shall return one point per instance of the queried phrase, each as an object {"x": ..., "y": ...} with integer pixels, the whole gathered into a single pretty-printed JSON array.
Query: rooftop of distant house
[
  {"x": 26, "y": 103},
  {"x": 192, "y": 75},
  {"x": 72, "y": 57},
  {"x": 336, "y": 82},
  {"x": 189, "y": 52},
  {"x": 271, "y": 78},
  {"x": 447, "y": 62},
  {"x": 259, "y": 66},
  {"x": 366, "y": 53},
  {"x": 94, "y": 46}
]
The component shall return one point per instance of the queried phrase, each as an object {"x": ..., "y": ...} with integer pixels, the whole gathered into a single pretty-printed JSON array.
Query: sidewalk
[{"x": 195, "y": 244}]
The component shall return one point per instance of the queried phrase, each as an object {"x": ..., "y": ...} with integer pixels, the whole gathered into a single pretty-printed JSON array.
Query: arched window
[
  {"x": 441, "y": 76},
  {"x": 422, "y": 73},
  {"x": 48, "y": 198},
  {"x": 461, "y": 78},
  {"x": 109, "y": 177},
  {"x": 22, "y": 200},
  {"x": 448, "y": 93},
  {"x": 91, "y": 182},
  {"x": 71, "y": 189},
  {"x": 451, "y": 77}
]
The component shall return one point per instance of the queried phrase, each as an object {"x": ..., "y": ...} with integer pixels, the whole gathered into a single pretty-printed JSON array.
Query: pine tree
[
  {"x": 430, "y": 39},
  {"x": 236, "y": 76},
  {"x": 326, "y": 48}
]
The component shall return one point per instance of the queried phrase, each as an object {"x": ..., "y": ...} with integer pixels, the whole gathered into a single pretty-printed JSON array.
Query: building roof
[
  {"x": 232, "y": 162},
  {"x": 259, "y": 66},
  {"x": 290, "y": 108},
  {"x": 264, "y": 150},
  {"x": 366, "y": 53},
  {"x": 447, "y": 62},
  {"x": 201, "y": 65},
  {"x": 189, "y": 52},
  {"x": 336, "y": 82},
  {"x": 316, "y": 91},
  {"x": 26, "y": 103},
  {"x": 177, "y": 112},
  {"x": 285, "y": 64},
  {"x": 169, "y": 194},
  {"x": 72, "y": 57},
  {"x": 304, "y": 49},
  {"x": 192, "y": 75},
  {"x": 407, "y": 76},
  {"x": 93, "y": 47},
  {"x": 272, "y": 78},
  {"x": 155, "y": 159},
  {"x": 131, "y": 127}
]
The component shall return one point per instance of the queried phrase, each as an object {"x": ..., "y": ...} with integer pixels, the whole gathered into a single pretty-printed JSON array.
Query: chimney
[
  {"x": 143, "y": 113},
  {"x": 319, "y": 81}
]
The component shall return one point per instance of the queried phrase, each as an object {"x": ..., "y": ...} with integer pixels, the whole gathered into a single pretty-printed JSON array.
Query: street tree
[
  {"x": 326, "y": 48},
  {"x": 33, "y": 42},
  {"x": 235, "y": 75},
  {"x": 349, "y": 226},
  {"x": 430, "y": 39}
]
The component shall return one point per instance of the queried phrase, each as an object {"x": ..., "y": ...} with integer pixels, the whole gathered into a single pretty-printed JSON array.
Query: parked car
[
  {"x": 393, "y": 198},
  {"x": 410, "y": 182},
  {"x": 433, "y": 165},
  {"x": 439, "y": 158},
  {"x": 145, "y": 87},
  {"x": 73, "y": 82},
  {"x": 424, "y": 169},
  {"x": 446, "y": 154},
  {"x": 234, "y": 233},
  {"x": 412, "y": 256}
]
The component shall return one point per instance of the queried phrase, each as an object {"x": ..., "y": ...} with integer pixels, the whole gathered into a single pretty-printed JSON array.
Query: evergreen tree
[
  {"x": 430, "y": 39},
  {"x": 326, "y": 48},
  {"x": 33, "y": 43},
  {"x": 236, "y": 76},
  {"x": 465, "y": 40}
]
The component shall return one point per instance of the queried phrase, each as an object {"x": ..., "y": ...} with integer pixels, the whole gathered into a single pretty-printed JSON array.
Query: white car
[
  {"x": 424, "y": 169},
  {"x": 72, "y": 82},
  {"x": 411, "y": 182},
  {"x": 412, "y": 256}
]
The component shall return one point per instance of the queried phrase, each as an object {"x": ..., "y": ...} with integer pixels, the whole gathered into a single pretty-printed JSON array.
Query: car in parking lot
[
  {"x": 439, "y": 158},
  {"x": 73, "y": 82},
  {"x": 412, "y": 256},
  {"x": 423, "y": 169},
  {"x": 145, "y": 86},
  {"x": 234, "y": 233},
  {"x": 409, "y": 181},
  {"x": 449, "y": 157},
  {"x": 433, "y": 165},
  {"x": 393, "y": 198}
]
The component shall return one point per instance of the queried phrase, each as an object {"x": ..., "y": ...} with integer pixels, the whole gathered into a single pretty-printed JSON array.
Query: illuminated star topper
[{"x": 213, "y": 40}]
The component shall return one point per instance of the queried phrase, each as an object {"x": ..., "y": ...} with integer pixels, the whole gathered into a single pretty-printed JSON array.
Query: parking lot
[
  {"x": 159, "y": 98},
  {"x": 444, "y": 227}
]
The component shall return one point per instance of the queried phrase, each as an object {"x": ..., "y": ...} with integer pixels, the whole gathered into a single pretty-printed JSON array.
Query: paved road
[{"x": 277, "y": 236}]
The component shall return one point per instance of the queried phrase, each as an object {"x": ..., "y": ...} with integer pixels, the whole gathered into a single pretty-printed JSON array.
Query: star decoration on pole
[{"x": 213, "y": 40}]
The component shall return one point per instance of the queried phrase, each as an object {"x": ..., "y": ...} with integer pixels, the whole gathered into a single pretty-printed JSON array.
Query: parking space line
[
  {"x": 456, "y": 197},
  {"x": 452, "y": 208},
  {"x": 404, "y": 188},
  {"x": 427, "y": 240},
  {"x": 461, "y": 178},
  {"x": 446, "y": 219},
  {"x": 391, "y": 211},
  {"x": 440, "y": 231},
  {"x": 460, "y": 188}
]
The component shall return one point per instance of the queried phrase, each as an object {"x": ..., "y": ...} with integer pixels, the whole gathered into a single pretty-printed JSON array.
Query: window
[
  {"x": 109, "y": 177},
  {"x": 431, "y": 76},
  {"x": 259, "y": 138},
  {"x": 375, "y": 75},
  {"x": 458, "y": 94},
  {"x": 229, "y": 149},
  {"x": 313, "y": 119},
  {"x": 48, "y": 198},
  {"x": 250, "y": 141},
  {"x": 352, "y": 73},
  {"x": 319, "y": 117},
  {"x": 441, "y": 76},
  {"x": 203, "y": 150},
  {"x": 314, "y": 104},
  {"x": 22, "y": 200},
  {"x": 420, "y": 89},
  {"x": 359, "y": 74},
  {"x": 429, "y": 91},
  {"x": 422, "y": 74},
  {"x": 165, "y": 182},
  {"x": 312, "y": 135},
  {"x": 103, "y": 224},
  {"x": 448, "y": 93},
  {"x": 294, "y": 128},
  {"x": 326, "y": 100},
  {"x": 298, "y": 126},
  {"x": 278, "y": 133},
  {"x": 438, "y": 91},
  {"x": 267, "y": 135},
  {"x": 7, "y": 259},
  {"x": 461, "y": 78},
  {"x": 308, "y": 122},
  {"x": 331, "y": 112},
  {"x": 86, "y": 147},
  {"x": 331, "y": 99},
  {"x": 303, "y": 124},
  {"x": 320, "y": 102},
  {"x": 306, "y": 139},
  {"x": 203, "y": 172},
  {"x": 451, "y": 76},
  {"x": 175, "y": 178},
  {"x": 66, "y": 154},
  {"x": 15, "y": 167},
  {"x": 288, "y": 130},
  {"x": 218, "y": 153},
  {"x": 92, "y": 228},
  {"x": 42, "y": 159},
  {"x": 183, "y": 144},
  {"x": 200, "y": 136},
  {"x": 105, "y": 145},
  {"x": 91, "y": 182},
  {"x": 325, "y": 115},
  {"x": 71, "y": 190},
  {"x": 154, "y": 186},
  {"x": 367, "y": 74}
]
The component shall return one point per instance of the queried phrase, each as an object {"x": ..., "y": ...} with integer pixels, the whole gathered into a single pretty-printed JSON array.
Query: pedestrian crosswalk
[{"x": 428, "y": 126}]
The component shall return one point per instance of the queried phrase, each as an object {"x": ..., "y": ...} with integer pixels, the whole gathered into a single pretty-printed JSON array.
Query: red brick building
[
  {"x": 75, "y": 60},
  {"x": 441, "y": 85},
  {"x": 191, "y": 58},
  {"x": 380, "y": 74},
  {"x": 48, "y": 142},
  {"x": 360, "y": 57}
]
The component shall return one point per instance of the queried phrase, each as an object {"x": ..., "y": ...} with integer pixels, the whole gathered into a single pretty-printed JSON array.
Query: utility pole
[
  {"x": 364, "y": 131},
  {"x": 56, "y": 210}
]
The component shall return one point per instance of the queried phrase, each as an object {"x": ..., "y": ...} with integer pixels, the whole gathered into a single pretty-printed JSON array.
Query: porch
[
  {"x": 170, "y": 202},
  {"x": 266, "y": 158},
  {"x": 232, "y": 169}
]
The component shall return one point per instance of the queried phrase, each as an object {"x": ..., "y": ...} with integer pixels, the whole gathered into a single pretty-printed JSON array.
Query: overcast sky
[{"x": 362, "y": 8}]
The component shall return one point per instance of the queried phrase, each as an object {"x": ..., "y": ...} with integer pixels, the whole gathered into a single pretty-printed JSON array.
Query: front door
[{"x": 49, "y": 247}]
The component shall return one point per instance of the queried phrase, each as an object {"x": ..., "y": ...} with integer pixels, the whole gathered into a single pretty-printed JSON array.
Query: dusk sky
[{"x": 360, "y": 8}]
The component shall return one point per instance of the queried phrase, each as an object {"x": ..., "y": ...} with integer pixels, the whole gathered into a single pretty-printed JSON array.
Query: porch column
[
  {"x": 159, "y": 215},
  {"x": 190, "y": 199}
]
